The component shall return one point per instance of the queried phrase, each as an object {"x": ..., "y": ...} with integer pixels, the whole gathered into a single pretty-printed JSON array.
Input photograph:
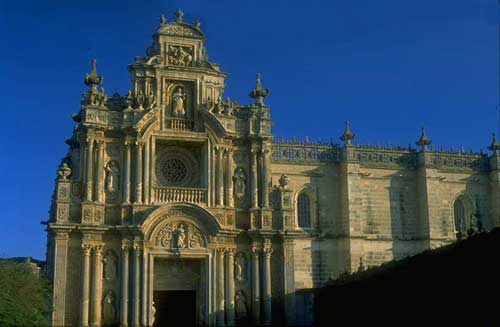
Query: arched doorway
[{"x": 178, "y": 265}]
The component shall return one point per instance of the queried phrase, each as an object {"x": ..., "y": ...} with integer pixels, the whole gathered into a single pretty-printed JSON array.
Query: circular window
[
  {"x": 174, "y": 171},
  {"x": 178, "y": 167}
]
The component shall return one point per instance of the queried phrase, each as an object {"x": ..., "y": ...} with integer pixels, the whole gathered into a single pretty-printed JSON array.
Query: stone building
[{"x": 174, "y": 204}]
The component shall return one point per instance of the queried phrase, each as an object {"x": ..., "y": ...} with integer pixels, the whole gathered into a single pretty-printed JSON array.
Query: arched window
[
  {"x": 459, "y": 217},
  {"x": 304, "y": 207}
]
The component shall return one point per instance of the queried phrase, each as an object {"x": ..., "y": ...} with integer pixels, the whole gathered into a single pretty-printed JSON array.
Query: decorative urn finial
[
  {"x": 64, "y": 171},
  {"x": 93, "y": 80},
  {"x": 180, "y": 16},
  {"x": 348, "y": 136},
  {"x": 284, "y": 180},
  {"x": 424, "y": 141},
  {"x": 259, "y": 93},
  {"x": 163, "y": 20},
  {"x": 495, "y": 146}
]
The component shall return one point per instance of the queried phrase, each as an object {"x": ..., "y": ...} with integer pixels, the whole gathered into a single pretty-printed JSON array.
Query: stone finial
[
  {"x": 93, "y": 80},
  {"x": 197, "y": 24},
  {"x": 259, "y": 93},
  {"x": 495, "y": 146},
  {"x": 284, "y": 180},
  {"x": 64, "y": 171},
  {"x": 180, "y": 16},
  {"x": 348, "y": 136},
  {"x": 424, "y": 141},
  {"x": 163, "y": 20}
]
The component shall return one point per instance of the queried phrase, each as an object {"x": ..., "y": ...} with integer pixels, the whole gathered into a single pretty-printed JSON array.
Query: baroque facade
[{"x": 172, "y": 199}]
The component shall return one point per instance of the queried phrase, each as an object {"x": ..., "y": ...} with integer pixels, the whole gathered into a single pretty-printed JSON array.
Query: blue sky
[{"x": 388, "y": 66}]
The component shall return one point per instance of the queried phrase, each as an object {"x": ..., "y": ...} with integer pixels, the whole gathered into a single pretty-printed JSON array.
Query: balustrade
[
  {"x": 179, "y": 194},
  {"x": 180, "y": 124}
]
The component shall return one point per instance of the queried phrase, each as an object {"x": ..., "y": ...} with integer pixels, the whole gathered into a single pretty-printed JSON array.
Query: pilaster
[
  {"x": 253, "y": 178},
  {"x": 220, "y": 287},
  {"x": 89, "y": 163},
  {"x": 85, "y": 300},
  {"x": 61, "y": 239},
  {"x": 256, "y": 284},
  {"x": 127, "y": 172},
  {"x": 99, "y": 178},
  {"x": 138, "y": 172},
  {"x": 266, "y": 285},
  {"x": 136, "y": 287},
  {"x": 220, "y": 177},
  {"x": 230, "y": 293},
  {"x": 124, "y": 283}
]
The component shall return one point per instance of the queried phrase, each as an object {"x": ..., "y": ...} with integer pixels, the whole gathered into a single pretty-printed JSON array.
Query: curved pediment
[{"x": 181, "y": 30}]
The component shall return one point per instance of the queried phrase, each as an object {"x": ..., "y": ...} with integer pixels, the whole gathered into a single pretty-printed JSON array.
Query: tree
[{"x": 24, "y": 296}]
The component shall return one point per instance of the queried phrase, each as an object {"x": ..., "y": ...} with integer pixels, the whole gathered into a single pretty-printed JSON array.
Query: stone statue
[
  {"x": 241, "y": 304},
  {"x": 153, "y": 313},
  {"x": 112, "y": 177},
  {"x": 178, "y": 109},
  {"x": 239, "y": 183},
  {"x": 109, "y": 268},
  {"x": 239, "y": 267},
  {"x": 109, "y": 311},
  {"x": 180, "y": 237}
]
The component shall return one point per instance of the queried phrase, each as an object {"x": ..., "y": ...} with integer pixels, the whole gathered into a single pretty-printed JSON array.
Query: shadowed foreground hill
[{"x": 453, "y": 285}]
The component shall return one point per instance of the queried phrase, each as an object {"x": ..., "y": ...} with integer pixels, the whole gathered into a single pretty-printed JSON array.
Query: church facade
[{"x": 175, "y": 206}]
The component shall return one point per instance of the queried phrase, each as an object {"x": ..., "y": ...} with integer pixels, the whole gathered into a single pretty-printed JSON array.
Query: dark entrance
[{"x": 175, "y": 308}]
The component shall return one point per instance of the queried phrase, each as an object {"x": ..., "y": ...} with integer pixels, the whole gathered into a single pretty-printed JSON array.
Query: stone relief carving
[
  {"x": 180, "y": 56},
  {"x": 178, "y": 98},
  {"x": 240, "y": 267},
  {"x": 304, "y": 153},
  {"x": 239, "y": 183},
  {"x": 112, "y": 177},
  {"x": 180, "y": 235}
]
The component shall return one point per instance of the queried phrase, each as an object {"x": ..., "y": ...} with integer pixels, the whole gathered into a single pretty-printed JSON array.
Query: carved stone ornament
[
  {"x": 180, "y": 56},
  {"x": 240, "y": 302},
  {"x": 109, "y": 307},
  {"x": 179, "y": 235},
  {"x": 239, "y": 183},
  {"x": 284, "y": 180}
]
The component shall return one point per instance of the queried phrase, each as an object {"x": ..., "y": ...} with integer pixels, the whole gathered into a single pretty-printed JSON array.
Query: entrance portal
[{"x": 175, "y": 308}]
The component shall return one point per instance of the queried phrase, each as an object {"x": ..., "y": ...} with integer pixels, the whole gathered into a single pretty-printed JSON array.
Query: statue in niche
[
  {"x": 239, "y": 183},
  {"x": 109, "y": 267},
  {"x": 239, "y": 267},
  {"x": 109, "y": 311},
  {"x": 178, "y": 97},
  {"x": 241, "y": 305},
  {"x": 179, "y": 237},
  {"x": 112, "y": 177}
]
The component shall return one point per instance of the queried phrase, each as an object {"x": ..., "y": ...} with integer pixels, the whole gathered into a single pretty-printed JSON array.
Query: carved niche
[{"x": 179, "y": 235}]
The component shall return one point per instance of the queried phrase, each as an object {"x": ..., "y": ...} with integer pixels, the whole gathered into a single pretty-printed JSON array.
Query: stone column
[
  {"x": 124, "y": 285},
  {"x": 255, "y": 285},
  {"x": 97, "y": 286},
  {"x": 136, "y": 287},
  {"x": 84, "y": 310},
  {"x": 89, "y": 157},
  {"x": 146, "y": 173},
  {"x": 229, "y": 176},
  {"x": 230, "y": 287},
  {"x": 220, "y": 287},
  {"x": 253, "y": 179},
  {"x": 126, "y": 175},
  {"x": 266, "y": 287},
  {"x": 99, "y": 179},
  {"x": 138, "y": 172},
  {"x": 265, "y": 178},
  {"x": 220, "y": 177}
]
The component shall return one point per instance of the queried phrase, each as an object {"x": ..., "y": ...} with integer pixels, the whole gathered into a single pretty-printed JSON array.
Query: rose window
[
  {"x": 176, "y": 167},
  {"x": 174, "y": 171}
]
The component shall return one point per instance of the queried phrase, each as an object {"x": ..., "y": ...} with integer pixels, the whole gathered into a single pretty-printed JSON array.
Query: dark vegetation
[
  {"x": 456, "y": 285},
  {"x": 24, "y": 295}
]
